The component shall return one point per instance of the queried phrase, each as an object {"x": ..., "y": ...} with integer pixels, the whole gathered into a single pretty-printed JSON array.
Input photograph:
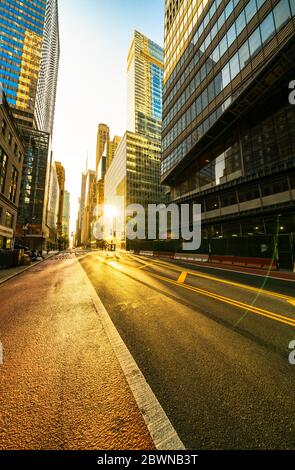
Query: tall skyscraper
[
  {"x": 112, "y": 146},
  {"x": 228, "y": 127},
  {"x": 134, "y": 173},
  {"x": 103, "y": 136},
  {"x": 89, "y": 205},
  {"x": 144, "y": 87},
  {"x": 29, "y": 56},
  {"x": 66, "y": 216},
  {"x": 60, "y": 171}
]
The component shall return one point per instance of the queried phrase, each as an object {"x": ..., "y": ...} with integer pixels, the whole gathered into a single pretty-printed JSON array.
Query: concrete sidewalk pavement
[
  {"x": 7, "y": 274},
  {"x": 61, "y": 385}
]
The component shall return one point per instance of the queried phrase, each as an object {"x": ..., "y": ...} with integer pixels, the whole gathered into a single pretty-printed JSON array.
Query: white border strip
[{"x": 160, "y": 428}]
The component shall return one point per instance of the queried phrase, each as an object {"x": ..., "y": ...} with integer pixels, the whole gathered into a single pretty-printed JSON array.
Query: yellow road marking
[
  {"x": 259, "y": 311},
  {"x": 235, "y": 303},
  {"x": 145, "y": 266},
  {"x": 291, "y": 300},
  {"x": 182, "y": 277}
]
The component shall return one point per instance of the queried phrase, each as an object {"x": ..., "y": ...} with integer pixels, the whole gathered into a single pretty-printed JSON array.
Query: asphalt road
[{"x": 212, "y": 345}]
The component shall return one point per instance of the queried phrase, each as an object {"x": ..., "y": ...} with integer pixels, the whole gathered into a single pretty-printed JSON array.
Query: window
[
  {"x": 248, "y": 193},
  {"x": 8, "y": 220},
  {"x": 281, "y": 13},
  {"x": 250, "y": 10},
  {"x": 4, "y": 125},
  {"x": 13, "y": 185},
  {"x": 267, "y": 28},
  {"x": 244, "y": 55},
  {"x": 3, "y": 169},
  {"x": 228, "y": 199},
  {"x": 255, "y": 42},
  {"x": 225, "y": 75},
  {"x": 240, "y": 22},
  {"x": 223, "y": 46},
  {"x": 215, "y": 55},
  {"x": 234, "y": 66},
  {"x": 229, "y": 9},
  {"x": 231, "y": 35},
  {"x": 278, "y": 185}
]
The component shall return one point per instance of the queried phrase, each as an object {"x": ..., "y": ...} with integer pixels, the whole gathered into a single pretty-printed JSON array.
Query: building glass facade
[
  {"x": 144, "y": 87},
  {"x": 134, "y": 176},
  {"x": 228, "y": 128},
  {"x": 29, "y": 55}
]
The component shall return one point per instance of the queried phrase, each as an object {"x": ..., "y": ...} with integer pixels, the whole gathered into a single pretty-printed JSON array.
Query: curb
[
  {"x": 2, "y": 281},
  {"x": 161, "y": 430}
]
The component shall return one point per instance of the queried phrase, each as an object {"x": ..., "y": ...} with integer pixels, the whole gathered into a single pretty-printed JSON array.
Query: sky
[{"x": 95, "y": 36}]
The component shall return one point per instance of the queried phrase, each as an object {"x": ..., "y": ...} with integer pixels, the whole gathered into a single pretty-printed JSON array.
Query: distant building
[
  {"x": 11, "y": 161},
  {"x": 134, "y": 175},
  {"x": 112, "y": 146},
  {"x": 52, "y": 211},
  {"x": 89, "y": 204},
  {"x": 81, "y": 210},
  {"x": 103, "y": 136},
  {"x": 66, "y": 216},
  {"x": 29, "y": 59},
  {"x": 60, "y": 171},
  {"x": 134, "y": 172},
  {"x": 144, "y": 87}
]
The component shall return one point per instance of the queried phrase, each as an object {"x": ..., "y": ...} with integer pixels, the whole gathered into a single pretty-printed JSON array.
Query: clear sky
[{"x": 95, "y": 36}]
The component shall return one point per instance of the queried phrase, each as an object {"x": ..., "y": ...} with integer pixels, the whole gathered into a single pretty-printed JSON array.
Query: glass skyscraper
[
  {"x": 29, "y": 56},
  {"x": 228, "y": 127},
  {"x": 29, "y": 59},
  {"x": 134, "y": 173},
  {"x": 144, "y": 87}
]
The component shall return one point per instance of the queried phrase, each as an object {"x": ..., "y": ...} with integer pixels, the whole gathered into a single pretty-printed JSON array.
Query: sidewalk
[
  {"x": 61, "y": 385},
  {"x": 6, "y": 274}
]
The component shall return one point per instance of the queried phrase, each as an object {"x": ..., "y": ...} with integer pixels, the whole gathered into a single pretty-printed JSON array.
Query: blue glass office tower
[{"x": 29, "y": 56}]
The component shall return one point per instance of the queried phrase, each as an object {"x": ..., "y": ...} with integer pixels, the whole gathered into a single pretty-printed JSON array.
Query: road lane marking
[
  {"x": 235, "y": 303},
  {"x": 145, "y": 265},
  {"x": 182, "y": 277},
  {"x": 224, "y": 281},
  {"x": 159, "y": 426},
  {"x": 259, "y": 311}
]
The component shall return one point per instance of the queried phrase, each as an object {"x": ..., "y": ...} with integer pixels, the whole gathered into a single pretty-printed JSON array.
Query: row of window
[
  {"x": 271, "y": 24},
  {"x": 27, "y": 6},
  {"x": 226, "y": 12},
  {"x": 22, "y": 21},
  {"x": 187, "y": 17}
]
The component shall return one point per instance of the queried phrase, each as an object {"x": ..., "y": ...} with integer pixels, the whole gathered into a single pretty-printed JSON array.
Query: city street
[
  {"x": 221, "y": 373},
  {"x": 212, "y": 347},
  {"x": 61, "y": 386}
]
